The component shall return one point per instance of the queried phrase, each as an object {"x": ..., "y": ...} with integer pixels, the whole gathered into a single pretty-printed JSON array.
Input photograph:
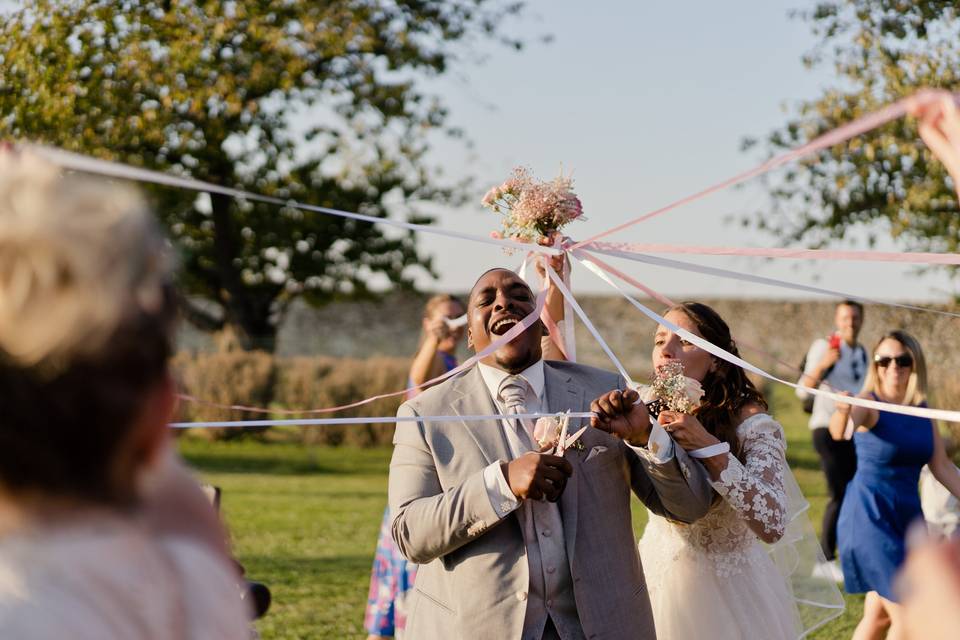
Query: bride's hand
[{"x": 686, "y": 430}]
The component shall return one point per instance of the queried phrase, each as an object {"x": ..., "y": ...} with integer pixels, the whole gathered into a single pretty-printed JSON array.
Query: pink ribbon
[
  {"x": 841, "y": 134},
  {"x": 514, "y": 331},
  {"x": 659, "y": 297},
  {"x": 763, "y": 252}
]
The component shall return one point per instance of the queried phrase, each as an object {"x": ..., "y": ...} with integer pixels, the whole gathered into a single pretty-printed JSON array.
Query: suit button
[
  {"x": 551, "y": 569},
  {"x": 549, "y": 603},
  {"x": 547, "y": 532},
  {"x": 521, "y": 596}
]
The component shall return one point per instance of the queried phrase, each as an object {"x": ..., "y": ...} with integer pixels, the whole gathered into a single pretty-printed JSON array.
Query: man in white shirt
[
  {"x": 838, "y": 363},
  {"x": 515, "y": 542}
]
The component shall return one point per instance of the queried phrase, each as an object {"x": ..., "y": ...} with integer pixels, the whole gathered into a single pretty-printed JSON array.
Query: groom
[{"x": 516, "y": 543}]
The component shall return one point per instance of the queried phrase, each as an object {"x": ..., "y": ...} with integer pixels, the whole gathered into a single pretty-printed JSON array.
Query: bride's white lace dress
[{"x": 714, "y": 578}]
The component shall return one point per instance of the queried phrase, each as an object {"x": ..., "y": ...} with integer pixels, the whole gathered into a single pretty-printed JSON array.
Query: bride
[{"x": 732, "y": 574}]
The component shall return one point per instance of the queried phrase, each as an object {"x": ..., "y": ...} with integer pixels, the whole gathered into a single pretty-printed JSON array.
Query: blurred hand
[
  {"x": 829, "y": 359},
  {"x": 618, "y": 415},
  {"x": 537, "y": 475},
  {"x": 172, "y": 503},
  {"x": 940, "y": 129},
  {"x": 437, "y": 327},
  {"x": 929, "y": 586},
  {"x": 843, "y": 408},
  {"x": 686, "y": 430}
]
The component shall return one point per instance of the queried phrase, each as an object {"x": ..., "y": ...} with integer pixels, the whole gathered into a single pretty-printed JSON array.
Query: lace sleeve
[{"x": 755, "y": 488}]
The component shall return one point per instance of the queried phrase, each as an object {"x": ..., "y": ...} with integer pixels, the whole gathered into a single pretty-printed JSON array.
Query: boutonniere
[{"x": 552, "y": 431}]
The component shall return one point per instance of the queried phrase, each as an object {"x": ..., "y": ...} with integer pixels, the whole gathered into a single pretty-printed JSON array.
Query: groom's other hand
[
  {"x": 537, "y": 476},
  {"x": 619, "y": 414}
]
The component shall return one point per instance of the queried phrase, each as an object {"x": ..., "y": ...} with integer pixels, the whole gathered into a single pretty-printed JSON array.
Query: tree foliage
[
  {"x": 886, "y": 181},
  {"x": 320, "y": 102}
]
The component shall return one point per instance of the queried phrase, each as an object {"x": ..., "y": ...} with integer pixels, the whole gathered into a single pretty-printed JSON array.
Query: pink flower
[
  {"x": 531, "y": 208},
  {"x": 496, "y": 235},
  {"x": 546, "y": 431}
]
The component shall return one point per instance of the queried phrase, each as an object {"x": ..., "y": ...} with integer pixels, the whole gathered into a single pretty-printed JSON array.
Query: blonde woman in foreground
[{"x": 103, "y": 534}]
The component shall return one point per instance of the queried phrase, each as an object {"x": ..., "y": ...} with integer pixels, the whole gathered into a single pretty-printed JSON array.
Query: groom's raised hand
[
  {"x": 537, "y": 475},
  {"x": 619, "y": 414}
]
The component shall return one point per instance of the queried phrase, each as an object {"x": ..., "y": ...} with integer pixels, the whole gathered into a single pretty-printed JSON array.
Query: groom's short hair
[{"x": 492, "y": 269}]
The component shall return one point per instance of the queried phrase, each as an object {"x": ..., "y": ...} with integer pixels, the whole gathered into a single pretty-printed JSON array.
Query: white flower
[{"x": 693, "y": 391}]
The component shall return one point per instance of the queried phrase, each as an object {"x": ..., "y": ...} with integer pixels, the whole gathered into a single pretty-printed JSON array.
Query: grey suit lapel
[
  {"x": 563, "y": 394},
  {"x": 474, "y": 399}
]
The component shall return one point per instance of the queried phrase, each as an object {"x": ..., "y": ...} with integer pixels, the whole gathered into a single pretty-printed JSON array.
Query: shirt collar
[{"x": 492, "y": 377}]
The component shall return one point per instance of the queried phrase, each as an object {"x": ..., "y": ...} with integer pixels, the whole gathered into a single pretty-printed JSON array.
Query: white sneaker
[{"x": 828, "y": 571}]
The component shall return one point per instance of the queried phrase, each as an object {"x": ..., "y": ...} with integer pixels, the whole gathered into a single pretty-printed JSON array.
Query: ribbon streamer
[
  {"x": 86, "y": 164},
  {"x": 512, "y": 333},
  {"x": 858, "y": 127},
  {"x": 369, "y": 420},
  {"x": 659, "y": 297},
  {"x": 749, "y": 277},
  {"x": 798, "y": 254},
  {"x": 921, "y": 412},
  {"x": 586, "y": 321}
]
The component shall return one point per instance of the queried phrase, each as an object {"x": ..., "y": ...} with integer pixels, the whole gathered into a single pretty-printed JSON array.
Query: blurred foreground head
[{"x": 86, "y": 315}]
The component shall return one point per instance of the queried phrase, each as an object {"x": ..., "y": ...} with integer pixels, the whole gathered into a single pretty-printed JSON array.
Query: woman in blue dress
[
  {"x": 883, "y": 498},
  {"x": 392, "y": 575}
]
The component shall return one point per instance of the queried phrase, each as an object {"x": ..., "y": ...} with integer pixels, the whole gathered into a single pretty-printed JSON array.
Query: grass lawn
[{"x": 305, "y": 522}]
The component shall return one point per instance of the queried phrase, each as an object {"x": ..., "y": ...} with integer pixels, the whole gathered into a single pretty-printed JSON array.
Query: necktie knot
[{"x": 513, "y": 393}]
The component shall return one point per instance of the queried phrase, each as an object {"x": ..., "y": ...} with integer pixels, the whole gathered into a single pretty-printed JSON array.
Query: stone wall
[{"x": 780, "y": 328}]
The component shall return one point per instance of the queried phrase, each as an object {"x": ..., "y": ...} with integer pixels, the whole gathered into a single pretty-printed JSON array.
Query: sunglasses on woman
[{"x": 904, "y": 360}]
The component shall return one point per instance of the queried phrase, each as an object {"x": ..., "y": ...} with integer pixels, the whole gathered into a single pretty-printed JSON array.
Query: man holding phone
[{"x": 835, "y": 363}]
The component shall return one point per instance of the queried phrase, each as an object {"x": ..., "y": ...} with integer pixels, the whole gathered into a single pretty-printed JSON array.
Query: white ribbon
[
  {"x": 713, "y": 450},
  {"x": 920, "y": 412},
  {"x": 371, "y": 420},
  {"x": 557, "y": 280},
  {"x": 747, "y": 277},
  {"x": 78, "y": 162}
]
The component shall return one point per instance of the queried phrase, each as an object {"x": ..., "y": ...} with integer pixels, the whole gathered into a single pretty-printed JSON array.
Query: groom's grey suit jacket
[{"x": 475, "y": 574}]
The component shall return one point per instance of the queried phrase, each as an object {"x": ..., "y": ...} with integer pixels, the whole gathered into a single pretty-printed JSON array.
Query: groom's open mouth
[{"x": 501, "y": 326}]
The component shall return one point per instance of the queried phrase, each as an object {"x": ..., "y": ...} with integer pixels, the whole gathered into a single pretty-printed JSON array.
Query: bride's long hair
[{"x": 727, "y": 389}]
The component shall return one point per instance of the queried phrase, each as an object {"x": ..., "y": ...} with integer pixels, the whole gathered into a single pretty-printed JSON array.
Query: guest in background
[
  {"x": 103, "y": 534},
  {"x": 436, "y": 353},
  {"x": 883, "y": 499},
  {"x": 392, "y": 576},
  {"x": 838, "y": 363}
]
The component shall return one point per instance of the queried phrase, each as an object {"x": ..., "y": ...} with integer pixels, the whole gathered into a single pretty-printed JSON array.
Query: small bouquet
[
  {"x": 672, "y": 390},
  {"x": 532, "y": 209}
]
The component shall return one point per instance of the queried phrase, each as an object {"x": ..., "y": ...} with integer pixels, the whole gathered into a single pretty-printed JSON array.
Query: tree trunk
[{"x": 247, "y": 310}]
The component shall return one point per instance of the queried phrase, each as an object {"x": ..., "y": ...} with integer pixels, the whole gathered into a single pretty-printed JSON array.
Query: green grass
[{"x": 305, "y": 521}]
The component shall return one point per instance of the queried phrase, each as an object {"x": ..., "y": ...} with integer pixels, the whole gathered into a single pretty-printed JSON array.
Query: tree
[
  {"x": 313, "y": 101},
  {"x": 886, "y": 180}
]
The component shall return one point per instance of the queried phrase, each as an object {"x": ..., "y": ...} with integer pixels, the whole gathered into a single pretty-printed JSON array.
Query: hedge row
[{"x": 258, "y": 379}]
